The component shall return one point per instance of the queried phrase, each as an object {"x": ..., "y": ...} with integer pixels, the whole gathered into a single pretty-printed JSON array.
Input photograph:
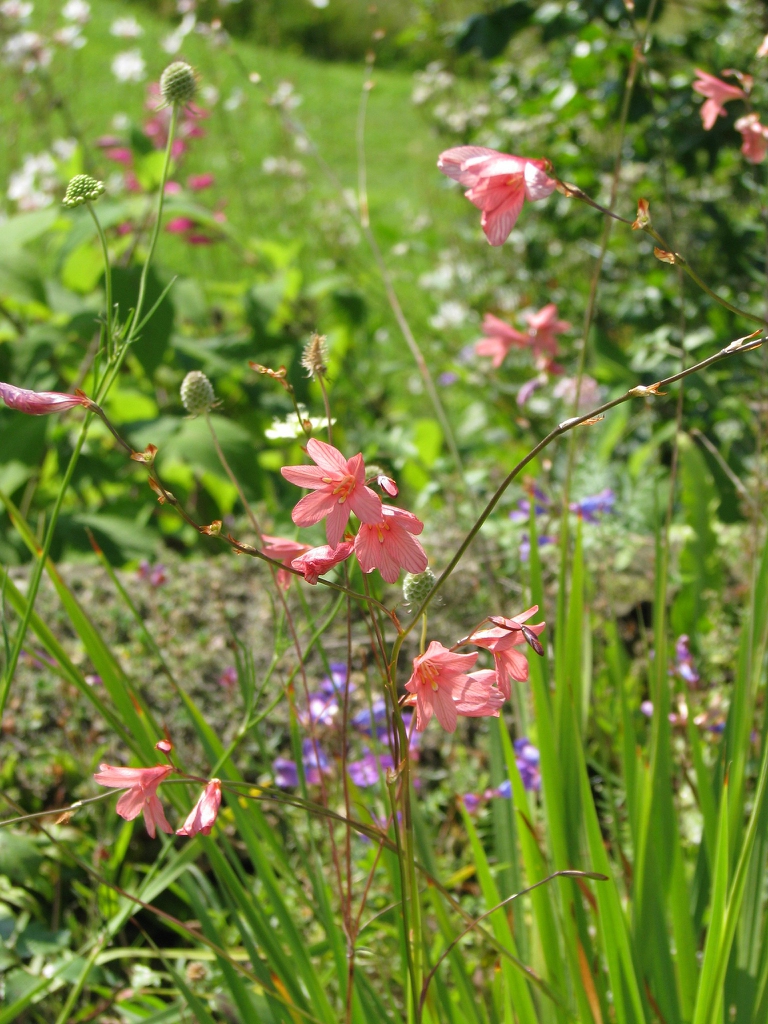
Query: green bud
[
  {"x": 82, "y": 189},
  {"x": 197, "y": 395},
  {"x": 417, "y": 586},
  {"x": 178, "y": 83}
]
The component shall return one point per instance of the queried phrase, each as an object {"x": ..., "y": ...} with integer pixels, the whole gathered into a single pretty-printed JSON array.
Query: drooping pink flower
[
  {"x": 198, "y": 182},
  {"x": 717, "y": 93},
  {"x": 501, "y": 641},
  {"x": 339, "y": 488},
  {"x": 318, "y": 561},
  {"x": 479, "y": 697},
  {"x": 283, "y": 550},
  {"x": 498, "y": 184},
  {"x": 754, "y": 138},
  {"x": 437, "y": 675},
  {"x": 141, "y": 793},
  {"x": 203, "y": 815},
  {"x": 390, "y": 544},
  {"x": 40, "y": 403}
]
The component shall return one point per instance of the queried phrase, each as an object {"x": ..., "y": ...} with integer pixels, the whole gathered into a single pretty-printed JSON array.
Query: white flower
[
  {"x": 450, "y": 314},
  {"x": 16, "y": 10},
  {"x": 70, "y": 35},
  {"x": 77, "y": 10},
  {"x": 234, "y": 100},
  {"x": 33, "y": 187},
  {"x": 126, "y": 28},
  {"x": 27, "y": 50},
  {"x": 209, "y": 95},
  {"x": 129, "y": 66},
  {"x": 290, "y": 427},
  {"x": 64, "y": 149},
  {"x": 281, "y": 165},
  {"x": 320, "y": 4},
  {"x": 284, "y": 96},
  {"x": 173, "y": 42}
]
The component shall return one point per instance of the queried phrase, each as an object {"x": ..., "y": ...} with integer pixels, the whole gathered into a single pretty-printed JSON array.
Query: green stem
[{"x": 107, "y": 277}]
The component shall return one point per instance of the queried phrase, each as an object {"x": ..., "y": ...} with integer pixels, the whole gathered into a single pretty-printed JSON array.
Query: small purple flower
[
  {"x": 525, "y": 545},
  {"x": 314, "y": 760},
  {"x": 646, "y": 708},
  {"x": 717, "y": 727},
  {"x": 322, "y": 710},
  {"x": 228, "y": 677},
  {"x": 94, "y": 680},
  {"x": 595, "y": 505},
  {"x": 471, "y": 801},
  {"x": 286, "y": 773},
  {"x": 447, "y": 378},
  {"x": 527, "y": 758},
  {"x": 504, "y": 790},
  {"x": 523, "y": 511},
  {"x": 530, "y": 386},
  {"x": 362, "y": 720},
  {"x": 369, "y": 769},
  {"x": 684, "y": 665},
  {"x": 155, "y": 574}
]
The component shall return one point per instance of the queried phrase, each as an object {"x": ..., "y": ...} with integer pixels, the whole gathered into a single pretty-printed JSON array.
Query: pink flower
[
  {"x": 203, "y": 815},
  {"x": 754, "y": 138},
  {"x": 499, "y": 339},
  {"x": 543, "y": 326},
  {"x": 318, "y": 561},
  {"x": 762, "y": 49},
  {"x": 479, "y": 696},
  {"x": 390, "y": 545},
  {"x": 180, "y": 225},
  {"x": 497, "y": 184},
  {"x": 339, "y": 488},
  {"x": 501, "y": 642},
  {"x": 40, "y": 403},
  {"x": 172, "y": 188},
  {"x": 437, "y": 675},
  {"x": 284, "y": 551},
  {"x": 717, "y": 93},
  {"x": 388, "y": 485},
  {"x": 121, "y": 155},
  {"x": 141, "y": 793},
  {"x": 198, "y": 182}
]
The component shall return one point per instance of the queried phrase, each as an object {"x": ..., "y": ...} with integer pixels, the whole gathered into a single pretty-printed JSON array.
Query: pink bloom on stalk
[
  {"x": 390, "y": 545},
  {"x": 479, "y": 697},
  {"x": 543, "y": 326},
  {"x": 339, "y": 488},
  {"x": 284, "y": 551},
  {"x": 318, "y": 561},
  {"x": 717, "y": 92},
  {"x": 198, "y": 182},
  {"x": 40, "y": 403},
  {"x": 497, "y": 184},
  {"x": 203, "y": 815},
  {"x": 438, "y": 675},
  {"x": 501, "y": 641},
  {"x": 754, "y": 138},
  {"x": 179, "y": 225},
  {"x": 141, "y": 793}
]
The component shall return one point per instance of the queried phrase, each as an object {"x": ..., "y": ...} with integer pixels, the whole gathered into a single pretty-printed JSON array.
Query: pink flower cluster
[
  {"x": 754, "y": 135},
  {"x": 385, "y": 540},
  {"x": 140, "y": 797},
  {"x": 441, "y": 683},
  {"x": 540, "y": 338}
]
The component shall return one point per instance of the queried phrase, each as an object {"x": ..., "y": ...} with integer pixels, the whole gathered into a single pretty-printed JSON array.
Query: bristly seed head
[
  {"x": 417, "y": 586},
  {"x": 178, "y": 83},
  {"x": 315, "y": 357},
  {"x": 197, "y": 395},
  {"x": 82, "y": 189}
]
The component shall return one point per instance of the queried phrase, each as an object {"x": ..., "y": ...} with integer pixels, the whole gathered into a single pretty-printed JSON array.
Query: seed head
[
  {"x": 178, "y": 83},
  {"x": 315, "y": 356},
  {"x": 197, "y": 395},
  {"x": 82, "y": 189},
  {"x": 416, "y": 586}
]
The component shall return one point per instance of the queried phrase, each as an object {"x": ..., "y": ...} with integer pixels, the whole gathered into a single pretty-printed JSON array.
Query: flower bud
[
  {"x": 82, "y": 189},
  {"x": 417, "y": 586},
  {"x": 197, "y": 395},
  {"x": 178, "y": 83}
]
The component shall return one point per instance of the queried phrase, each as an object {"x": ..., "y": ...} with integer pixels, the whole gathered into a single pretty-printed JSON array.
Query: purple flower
[
  {"x": 523, "y": 511},
  {"x": 527, "y": 759},
  {"x": 504, "y": 790},
  {"x": 530, "y": 386},
  {"x": 595, "y": 505},
  {"x": 684, "y": 665},
  {"x": 334, "y": 684},
  {"x": 228, "y": 677},
  {"x": 322, "y": 710},
  {"x": 363, "y": 721},
  {"x": 314, "y": 760},
  {"x": 646, "y": 708},
  {"x": 471, "y": 801},
  {"x": 447, "y": 378},
  {"x": 525, "y": 545},
  {"x": 369, "y": 769},
  {"x": 286, "y": 773},
  {"x": 154, "y": 573}
]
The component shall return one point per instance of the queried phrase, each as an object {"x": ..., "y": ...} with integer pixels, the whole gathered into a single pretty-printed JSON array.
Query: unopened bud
[
  {"x": 643, "y": 219},
  {"x": 418, "y": 586},
  {"x": 315, "y": 356},
  {"x": 82, "y": 189},
  {"x": 374, "y": 474},
  {"x": 197, "y": 394},
  {"x": 178, "y": 83}
]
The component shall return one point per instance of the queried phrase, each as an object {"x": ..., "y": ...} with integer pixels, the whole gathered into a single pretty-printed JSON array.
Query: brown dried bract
[
  {"x": 643, "y": 218},
  {"x": 664, "y": 256}
]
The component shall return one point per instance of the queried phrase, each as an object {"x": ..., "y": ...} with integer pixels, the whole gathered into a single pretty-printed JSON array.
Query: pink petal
[
  {"x": 337, "y": 520},
  {"x": 366, "y": 547},
  {"x": 154, "y": 815},
  {"x": 424, "y": 708},
  {"x": 313, "y": 507},
  {"x": 131, "y": 803},
  {"x": 460, "y": 163},
  {"x": 366, "y": 505},
  {"x": 403, "y": 518},
  {"x": 494, "y": 327},
  {"x": 538, "y": 185},
  {"x": 327, "y": 457},
  {"x": 305, "y": 476},
  {"x": 445, "y": 709},
  {"x": 497, "y": 224},
  {"x": 406, "y": 552}
]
